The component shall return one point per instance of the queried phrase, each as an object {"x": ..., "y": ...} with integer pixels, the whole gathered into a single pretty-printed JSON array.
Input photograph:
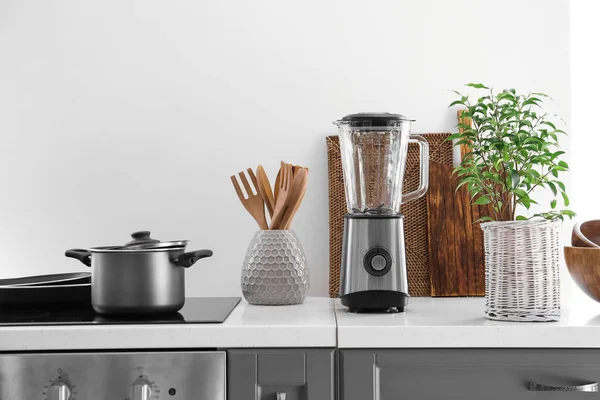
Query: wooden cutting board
[{"x": 456, "y": 255}]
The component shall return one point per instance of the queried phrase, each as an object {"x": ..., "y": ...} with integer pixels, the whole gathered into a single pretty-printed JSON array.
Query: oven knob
[
  {"x": 59, "y": 391},
  {"x": 142, "y": 390}
]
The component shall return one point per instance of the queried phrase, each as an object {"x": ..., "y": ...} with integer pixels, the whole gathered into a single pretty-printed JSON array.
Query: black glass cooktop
[{"x": 197, "y": 310}]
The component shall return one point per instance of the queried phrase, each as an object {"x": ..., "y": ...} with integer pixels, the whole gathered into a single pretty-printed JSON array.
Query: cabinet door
[
  {"x": 490, "y": 374},
  {"x": 281, "y": 374}
]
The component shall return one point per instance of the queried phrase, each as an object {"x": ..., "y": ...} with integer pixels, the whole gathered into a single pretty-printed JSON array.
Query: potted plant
[{"x": 513, "y": 153}]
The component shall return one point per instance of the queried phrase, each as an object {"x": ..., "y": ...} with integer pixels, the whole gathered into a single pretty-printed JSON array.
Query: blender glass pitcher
[{"x": 373, "y": 151}]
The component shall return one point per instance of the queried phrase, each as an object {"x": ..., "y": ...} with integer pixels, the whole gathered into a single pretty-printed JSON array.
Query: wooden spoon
[
  {"x": 277, "y": 183},
  {"x": 264, "y": 188},
  {"x": 282, "y": 197},
  {"x": 296, "y": 196},
  {"x": 254, "y": 204}
]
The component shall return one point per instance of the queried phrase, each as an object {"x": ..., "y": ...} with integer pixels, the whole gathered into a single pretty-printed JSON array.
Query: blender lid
[{"x": 373, "y": 119}]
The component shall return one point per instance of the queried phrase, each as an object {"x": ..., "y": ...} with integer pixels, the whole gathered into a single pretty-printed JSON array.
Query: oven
[{"x": 185, "y": 375}]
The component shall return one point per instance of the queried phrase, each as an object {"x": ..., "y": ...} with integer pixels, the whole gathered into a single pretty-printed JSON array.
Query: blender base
[{"x": 375, "y": 301}]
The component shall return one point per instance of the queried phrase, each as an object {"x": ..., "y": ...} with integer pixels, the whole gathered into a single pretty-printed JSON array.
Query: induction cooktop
[{"x": 197, "y": 310}]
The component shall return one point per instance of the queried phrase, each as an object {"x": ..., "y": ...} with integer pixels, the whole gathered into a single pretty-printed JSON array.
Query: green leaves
[
  {"x": 481, "y": 201},
  {"x": 514, "y": 152},
  {"x": 477, "y": 85},
  {"x": 552, "y": 187},
  {"x": 515, "y": 178},
  {"x": 565, "y": 199},
  {"x": 563, "y": 164}
]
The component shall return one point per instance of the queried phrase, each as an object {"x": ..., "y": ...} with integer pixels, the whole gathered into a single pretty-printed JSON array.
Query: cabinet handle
[
  {"x": 280, "y": 395},
  {"x": 538, "y": 387}
]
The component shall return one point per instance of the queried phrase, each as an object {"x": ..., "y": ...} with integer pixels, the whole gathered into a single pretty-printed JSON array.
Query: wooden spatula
[
  {"x": 283, "y": 191},
  {"x": 277, "y": 184},
  {"x": 296, "y": 195},
  {"x": 264, "y": 189},
  {"x": 254, "y": 204}
]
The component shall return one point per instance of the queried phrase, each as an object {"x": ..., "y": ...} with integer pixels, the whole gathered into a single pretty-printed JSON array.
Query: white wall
[
  {"x": 585, "y": 36},
  {"x": 123, "y": 115}
]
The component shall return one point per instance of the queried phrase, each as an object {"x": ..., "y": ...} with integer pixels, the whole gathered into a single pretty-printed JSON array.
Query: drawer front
[
  {"x": 274, "y": 374},
  {"x": 425, "y": 374}
]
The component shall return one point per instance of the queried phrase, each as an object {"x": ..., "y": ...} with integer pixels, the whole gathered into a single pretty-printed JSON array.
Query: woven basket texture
[
  {"x": 522, "y": 270},
  {"x": 415, "y": 212}
]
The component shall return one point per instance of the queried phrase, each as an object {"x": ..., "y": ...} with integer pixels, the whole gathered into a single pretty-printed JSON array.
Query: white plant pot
[{"x": 522, "y": 281}]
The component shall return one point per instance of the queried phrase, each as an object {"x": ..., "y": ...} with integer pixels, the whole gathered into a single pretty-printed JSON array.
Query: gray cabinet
[
  {"x": 281, "y": 374},
  {"x": 464, "y": 374}
]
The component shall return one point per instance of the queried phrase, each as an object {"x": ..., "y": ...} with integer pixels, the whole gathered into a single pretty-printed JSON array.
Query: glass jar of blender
[{"x": 373, "y": 149}]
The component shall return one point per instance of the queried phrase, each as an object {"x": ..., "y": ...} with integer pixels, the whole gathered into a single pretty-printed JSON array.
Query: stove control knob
[
  {"x": 142, "y": 390},
  {"x": 59, "y": 391}
]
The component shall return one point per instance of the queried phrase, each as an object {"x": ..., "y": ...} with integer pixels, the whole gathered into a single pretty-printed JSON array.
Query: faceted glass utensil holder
[{"x": 274, "y": 270}]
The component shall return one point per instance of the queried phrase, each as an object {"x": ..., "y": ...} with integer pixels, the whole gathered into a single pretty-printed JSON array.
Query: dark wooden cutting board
[{"x": 456, "y": 256}]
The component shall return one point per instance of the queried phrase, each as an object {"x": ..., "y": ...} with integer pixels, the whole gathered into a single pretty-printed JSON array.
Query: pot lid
[
  {"x": 142, "y": 240},
  {"x": 373, "y": 119}
]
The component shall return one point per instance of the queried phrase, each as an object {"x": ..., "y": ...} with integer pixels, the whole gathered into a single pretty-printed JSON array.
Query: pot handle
[
  {"x": 186, "y": 260},
  {"x": 80, "y": 254}
]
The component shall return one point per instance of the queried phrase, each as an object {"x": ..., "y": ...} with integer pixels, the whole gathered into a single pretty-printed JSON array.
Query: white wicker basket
[{"x": 522, "y": 280}]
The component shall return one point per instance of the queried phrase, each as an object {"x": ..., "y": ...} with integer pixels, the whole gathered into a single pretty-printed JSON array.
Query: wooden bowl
[
  {"x": 586, "y": 234},
  {"x": 584, "y": 266}
]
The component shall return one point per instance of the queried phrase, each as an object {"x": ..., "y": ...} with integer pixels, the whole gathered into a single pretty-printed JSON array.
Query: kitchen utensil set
[{"x": 282, "y": 201}]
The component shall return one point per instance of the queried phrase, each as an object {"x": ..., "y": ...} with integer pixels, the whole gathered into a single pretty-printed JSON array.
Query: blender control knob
[
  {"x": 378, "y": 262},
  {"x": 142, "y": 390},
  {"x": 59, "y": 391}
]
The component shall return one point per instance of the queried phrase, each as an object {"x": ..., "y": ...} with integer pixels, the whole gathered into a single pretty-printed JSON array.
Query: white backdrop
[
  {"x": 585, "y": 32},
  {"x": 124, "y": 115}
]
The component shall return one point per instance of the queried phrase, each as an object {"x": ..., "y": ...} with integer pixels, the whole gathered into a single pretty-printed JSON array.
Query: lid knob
[{"x": 141, "y": 238}]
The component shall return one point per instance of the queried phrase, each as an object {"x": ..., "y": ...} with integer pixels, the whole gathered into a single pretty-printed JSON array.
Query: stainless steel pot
[{"x": 146, "y": 276}]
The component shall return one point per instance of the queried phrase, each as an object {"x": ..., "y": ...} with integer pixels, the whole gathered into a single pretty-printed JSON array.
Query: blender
[{"x": 373, "y": 275}]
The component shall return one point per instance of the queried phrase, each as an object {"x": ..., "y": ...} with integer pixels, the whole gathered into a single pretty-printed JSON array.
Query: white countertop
[
  {"x": 323, "y": 322},
  {"x": 311, "y": 324},
  {"x": 460, "y": 322}
]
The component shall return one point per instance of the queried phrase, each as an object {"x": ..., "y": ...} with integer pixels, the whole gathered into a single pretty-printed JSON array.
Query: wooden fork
[
  {"x": 254, "y": 204},
  {"x": 285, "y": 184}
]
